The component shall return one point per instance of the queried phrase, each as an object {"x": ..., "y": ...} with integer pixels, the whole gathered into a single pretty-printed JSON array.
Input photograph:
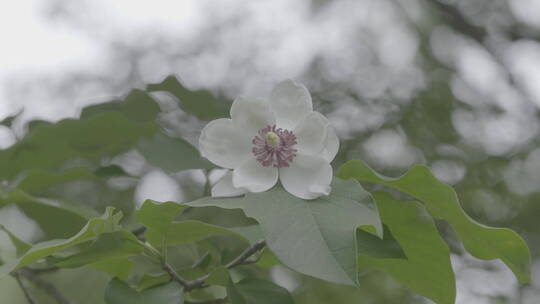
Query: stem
[
  {"x": 241, "y": 259},
  {"x": 177, "y": 277},
  {"x": 207, "y": 185},
  {"x": 246, "y": 254},
  {"x": 45, "y": 270},
  {"x": 139, "y": 232},
  {"x": 23, "y": 288},
  {"x": 50, "y": 289}
]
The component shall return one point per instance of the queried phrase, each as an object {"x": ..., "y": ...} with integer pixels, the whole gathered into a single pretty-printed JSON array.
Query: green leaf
[
  {"x": 171, "y": 154},
  {"x": 203, "y": 261},
  {"x": 140, "y": 106},
  {"x": 427, "y": 269},
  {"x": 314, "y": 237},
  {"x": 257, "y": 291},
  {"x": 252, "y": 233},
  {"x": 118, "y": 292},
  {"x": 47, "y": 146},
  {"x": 186, "y": 232},
  {"x": 108, "y": 222},
  {"x": 46, "y": 213},
  {"x": 199, "y": 103},
  {"x": 117, "y": 244},
  {"x": 152, "y": 280},
  {"x": 219, "y": 276},
  {"x": 117, "y": 267},
  {"x": 371, "y": 245},
  {"x": 249, "y": 290},
  {"x": 36, "y": 180},
  {"x": 442, "y": 203},
  {"x": 158, "y": 218},
  {"x": 20, "y": 246},
  {"x": 110, "y": 171},
  {"x": 267, "y": 259},
  {"x": 137, "y": 106}
]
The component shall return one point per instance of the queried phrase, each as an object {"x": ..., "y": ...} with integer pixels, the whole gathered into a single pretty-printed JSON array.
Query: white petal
[
  {"x": 224, "y": 144},
  {"x": 308, "y": 176},
  {"x": 255, "y": 177},
  {"x": 331, "y": 145},
  {"x": 225, "y": 188},
  {"x": 290, "y": 103},
  {"x": 311, "y": 134},
  {"x": 251, "y": 114}
]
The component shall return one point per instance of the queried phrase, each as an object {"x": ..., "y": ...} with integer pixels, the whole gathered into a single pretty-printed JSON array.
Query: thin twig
[
  {"x": 139, "y": 232},
  {"x": 250, "y": 261},
  {"x": 175, "y": 276},
  {"x": 246, "y": 254},
  {"x": 23, "y": 288},
  {"x": 200, "y": 282},
  {"x": 207, "y": 185},
  {"x": 45, "y": 270},
  {"x": 50, "y": 289}
]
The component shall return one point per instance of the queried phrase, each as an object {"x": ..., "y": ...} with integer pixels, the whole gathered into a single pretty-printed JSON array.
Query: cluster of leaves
[{"x": 334, "y": 238}]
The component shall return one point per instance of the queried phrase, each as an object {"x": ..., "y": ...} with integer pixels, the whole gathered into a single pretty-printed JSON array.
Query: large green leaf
[
  {"x": 373, "y": 246},
  {"x": 110, "y": 171},
  {"x": 36, "y": 180},
  {"x": 199, "y": 103},
  {"x": 252, "y": 233},
  {"x": 108, "y": 222},
  {"x": 117, "y": 244},
  {"x": 315, "y": 237},
  {"x": 186, "y": 231},
  {"x": 442, "y": 203},
  {"x": 117, "y": 267},
  {"x": 171, "y": 154},
  {"x": 427, "y": 269},
  {"x": 162, "y": 229},
  {"x": 118, "y": 292},
  {"x": 158, "y": 216},
  {"x": 257, "y": 291},
  {"x": 48, "y": 145},
  {"x": 137, "y": 106},
  {"x": 249, "y": 290},
  {"x": 46, "y": 213}
]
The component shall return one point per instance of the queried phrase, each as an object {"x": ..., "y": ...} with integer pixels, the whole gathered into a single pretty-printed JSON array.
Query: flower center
[
  {"x": 274, "y": 147},
  {"x": 272, "y": 139}
]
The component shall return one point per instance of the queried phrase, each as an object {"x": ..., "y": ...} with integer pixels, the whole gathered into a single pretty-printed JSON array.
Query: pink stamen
[{"x": 268, "y": 153}]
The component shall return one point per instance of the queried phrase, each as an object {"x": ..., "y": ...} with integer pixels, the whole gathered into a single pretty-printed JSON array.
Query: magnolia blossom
[{"x": 269, "y": 139}]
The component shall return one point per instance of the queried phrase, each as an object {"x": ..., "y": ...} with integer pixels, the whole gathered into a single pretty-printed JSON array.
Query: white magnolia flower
[{"x": 266, "y": 139}]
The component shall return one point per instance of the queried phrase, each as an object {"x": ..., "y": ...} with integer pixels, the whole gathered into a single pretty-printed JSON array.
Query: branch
[
  {"x": 188, "y": 285},
  {"x": 246, "y": 254},
  {"x": 139, "y": 232},
  {"x": 23, "y": 288},
  {"x": 207, "y": 185},
  {"x": 44, "y": 270},
  {"x": 50, "y": 289},
  {"x": 241, "y": 259}
]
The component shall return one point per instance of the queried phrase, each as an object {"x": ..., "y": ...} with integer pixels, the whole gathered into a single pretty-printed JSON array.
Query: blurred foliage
[{"x": 173, "y": 248}]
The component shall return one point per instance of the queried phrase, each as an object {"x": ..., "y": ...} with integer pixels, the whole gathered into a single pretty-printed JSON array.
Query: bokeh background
[{"x": 453, "y": 84}]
